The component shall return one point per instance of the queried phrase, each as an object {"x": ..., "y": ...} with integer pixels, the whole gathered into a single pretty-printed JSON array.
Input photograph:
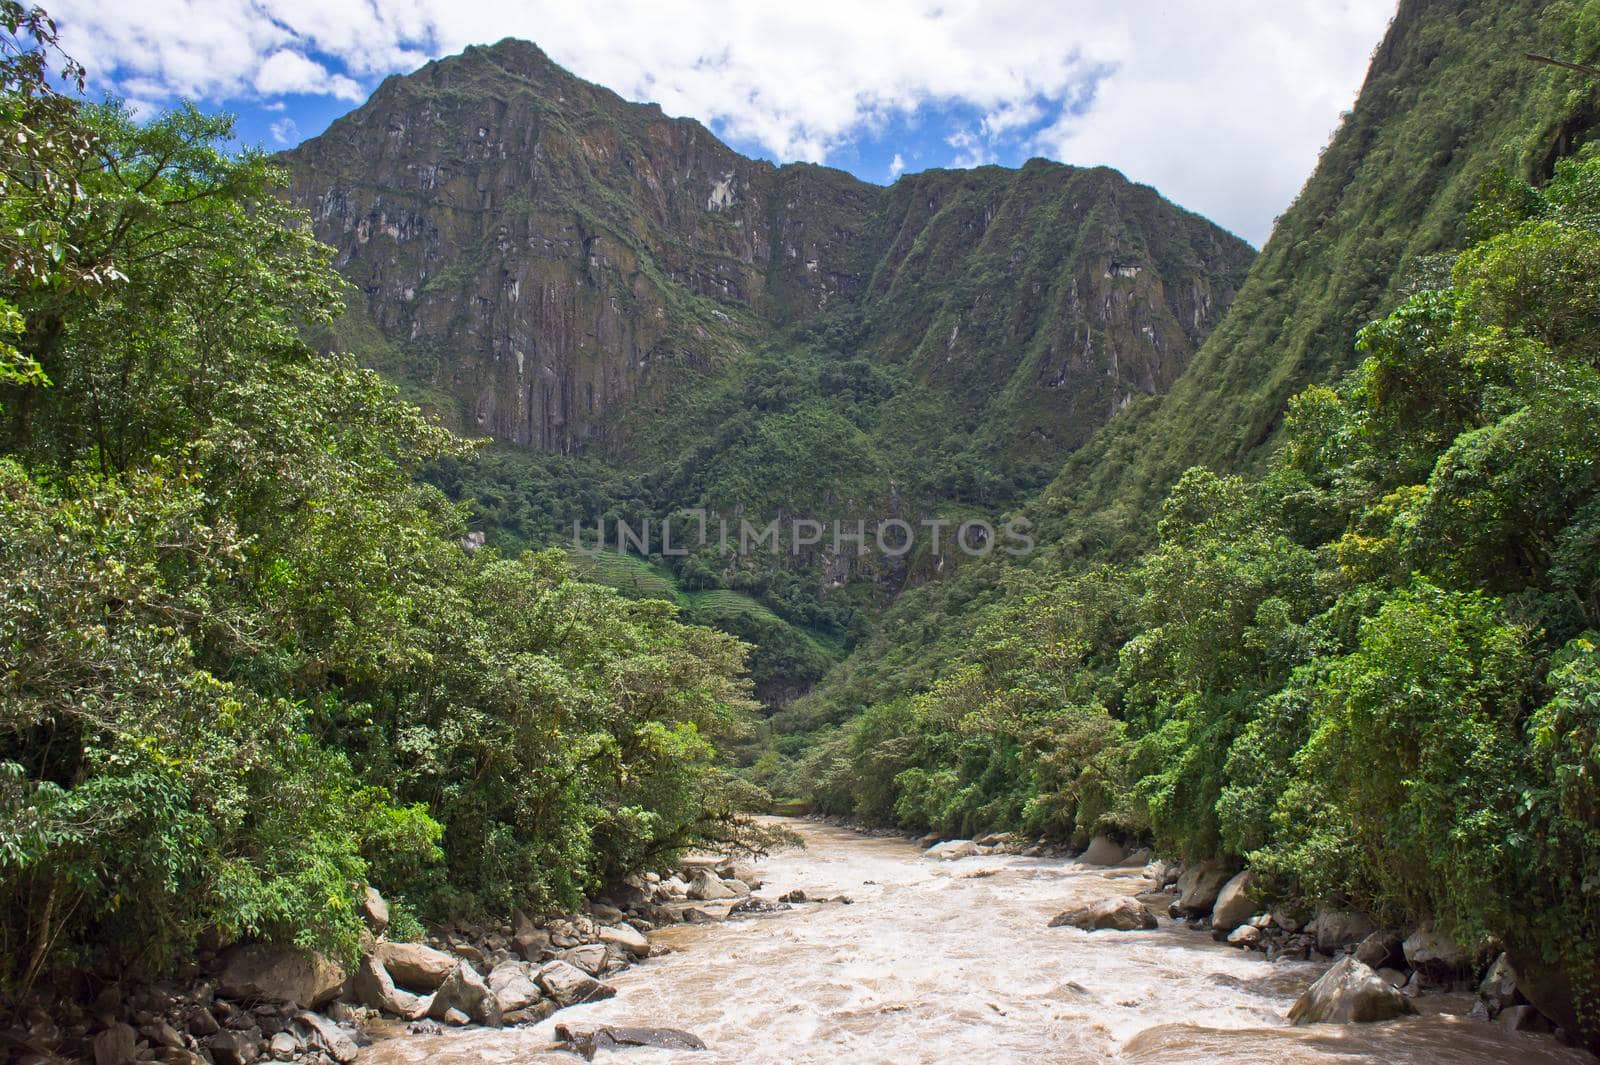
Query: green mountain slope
[{"x": 1449, "y": 101}]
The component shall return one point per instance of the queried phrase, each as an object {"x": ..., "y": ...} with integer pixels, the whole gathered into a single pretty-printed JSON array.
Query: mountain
[
  {"x": 553, "y": 266},
  {"x": 1448, "y": 102}
]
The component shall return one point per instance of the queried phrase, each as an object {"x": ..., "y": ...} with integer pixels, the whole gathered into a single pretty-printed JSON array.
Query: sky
[{"x": 1222, "y": 105}]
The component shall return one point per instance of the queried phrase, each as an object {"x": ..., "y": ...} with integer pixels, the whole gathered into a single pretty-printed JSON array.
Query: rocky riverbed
[{"x": 865, "y": 949}]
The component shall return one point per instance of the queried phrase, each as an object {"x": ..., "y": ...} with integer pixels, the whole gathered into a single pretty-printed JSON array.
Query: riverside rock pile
[
  {"x": 1377, "y": 972},
  {"x": 246, "y": 1003}
]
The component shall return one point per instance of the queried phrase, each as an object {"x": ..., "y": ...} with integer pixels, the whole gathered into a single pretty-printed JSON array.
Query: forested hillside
[
  {"x": 247, "y": 664},
  {"x": 1357, "y": 649}
]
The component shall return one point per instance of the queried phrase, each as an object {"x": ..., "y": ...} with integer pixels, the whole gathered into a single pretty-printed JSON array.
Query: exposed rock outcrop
[
  {"x": 1349, "y": 992},
  {"x": 1122, "y": 914}
]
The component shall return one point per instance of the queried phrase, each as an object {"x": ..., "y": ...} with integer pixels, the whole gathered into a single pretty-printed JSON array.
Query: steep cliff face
[{"x": 546, "y": 254}]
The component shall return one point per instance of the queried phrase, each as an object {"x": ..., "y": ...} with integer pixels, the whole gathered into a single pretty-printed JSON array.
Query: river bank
[
  {"x": 859, "y": 947},
  {"x": 938, "y": 960}
]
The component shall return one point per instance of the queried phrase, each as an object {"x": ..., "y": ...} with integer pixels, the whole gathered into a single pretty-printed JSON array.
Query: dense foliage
[
  {"x": 1370, "y": 671},
  {"x": 247, "y": 664}
]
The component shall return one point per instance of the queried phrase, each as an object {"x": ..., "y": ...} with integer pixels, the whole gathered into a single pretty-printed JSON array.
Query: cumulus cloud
[
  {"x": 897, "y": 166},
  {"x": 285, "y": 131},
  {"x": 1221, "y": 105},
  {"x": 286, "y": 71}
]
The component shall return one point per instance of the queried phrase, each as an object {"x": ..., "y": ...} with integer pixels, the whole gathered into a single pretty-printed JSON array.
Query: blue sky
[{"x": 1222, "y": 105}]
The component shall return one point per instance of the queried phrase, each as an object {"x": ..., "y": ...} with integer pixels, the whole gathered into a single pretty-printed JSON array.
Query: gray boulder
[
  {"x": 1498, "y": 988},
  {"x": 627, "y": 938},
  {"x": 513, "y": 986},
  {"x": 586, "y": 1041},
  {"x": 1381, "y": 950},
  {"x": 1235, "y": 903},
  {"x": 1102, "y": 851},
  {"x": 279, "y": 973},
  {"x": 375, "y": 910},
  {"x": 1122, "y": 914},
  {"x": 569, "y": 985},
  {"x": 591, "y": 958},
  {"x": 117, "y": 1045},
  {"x": 1245, "y": 937},
  {"x": 233, "y": 1048},
  {"x": 466, "y": 991},
  {"x": 951, "y": 850},
  {"x": 1436, "y": 956},
  {"x": 1340, "y": 928},
  {"x": 1199, "y": 887},
  {"x": 415, "y": 966},
  {"x": 319, "y": 1032},
  {"x": 707, "y": 887},
  {"x": 374, "y": 988},
  {"x": 1349, "y": 993}
]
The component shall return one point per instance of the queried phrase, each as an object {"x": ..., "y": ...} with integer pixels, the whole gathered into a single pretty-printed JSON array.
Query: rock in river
[
  {"x": 953, "y": 849},
  {"x": 1349, "y": 992},
  {"x": 1122, "y": 914},
  {"x": 586, "y": 1041},
  {"x": 570, "y": 985}
]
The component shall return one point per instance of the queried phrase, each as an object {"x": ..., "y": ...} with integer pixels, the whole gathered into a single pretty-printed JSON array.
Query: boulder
[
  {"x": 374, "y": 988},
  {"x": 739, "y": 888},
  {"x": 1549, "y": 989},
  {"x": 569, "y": 985},
  {"x": 513, "y": 987},
  {"x": 1340, "y": 928},
  {"x": 586, "y": 1041},
  {"x": 951, "y": 850},
  {"x": 1121, "y": 914},
  {"x": 626, "y": 937},
  {"x": 415, "y": 966},
  {"x": 1102, "y": 851},
  {"x": 375, "y": 910},
  {"x": 162, "y": 1034},
  {"x": 1198, "y": 888},
  {"x": 1136, "y": 859},
  {"x": 322, "y": 1034},
  {"x": 1235, "y": 903},
  {"x": 1498, "y": 988},
  {"x": 1245, "y": 937},
  {"x": 233, "y": 1048},
  {"x": 1349, "y": 993},
  {"x": 707, "y": 886},
  {"x": 1435, "y": 955},
  {"x": 117, "y": 1045},
  {"x": 591, "y": 958},
  {"x": 283, "y": 1046},
  {"x": 466, "y": 991},
  {"x": 279, "y": 973},
  {"x": 1381, "y": 950},
  {"x": 1288, "y": 918}
]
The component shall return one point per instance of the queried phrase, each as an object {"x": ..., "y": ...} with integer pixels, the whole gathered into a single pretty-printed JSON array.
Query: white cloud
[
  {"x": 1222, "y": 104},
  {"x": 971, "y": 149},
  {"x": 285, "y": 71},
  {"x": 284, "y": 131},
  {"x": 897, "y": 166}
]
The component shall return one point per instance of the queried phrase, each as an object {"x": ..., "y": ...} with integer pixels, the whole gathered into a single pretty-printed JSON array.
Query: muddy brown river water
[{"x": 932, "y": 963}]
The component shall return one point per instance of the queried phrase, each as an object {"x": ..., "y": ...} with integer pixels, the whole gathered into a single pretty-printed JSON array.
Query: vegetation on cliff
[
  {"x": 1366, "y": 664},
  {"x": 246, "y": 664}
]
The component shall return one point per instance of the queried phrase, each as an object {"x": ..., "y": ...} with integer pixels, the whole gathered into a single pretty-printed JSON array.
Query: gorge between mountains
[{"x": 510, "y": 577}]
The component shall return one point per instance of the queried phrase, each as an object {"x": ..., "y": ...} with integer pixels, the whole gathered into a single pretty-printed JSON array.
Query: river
[{"x": 953, "y": 962}]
